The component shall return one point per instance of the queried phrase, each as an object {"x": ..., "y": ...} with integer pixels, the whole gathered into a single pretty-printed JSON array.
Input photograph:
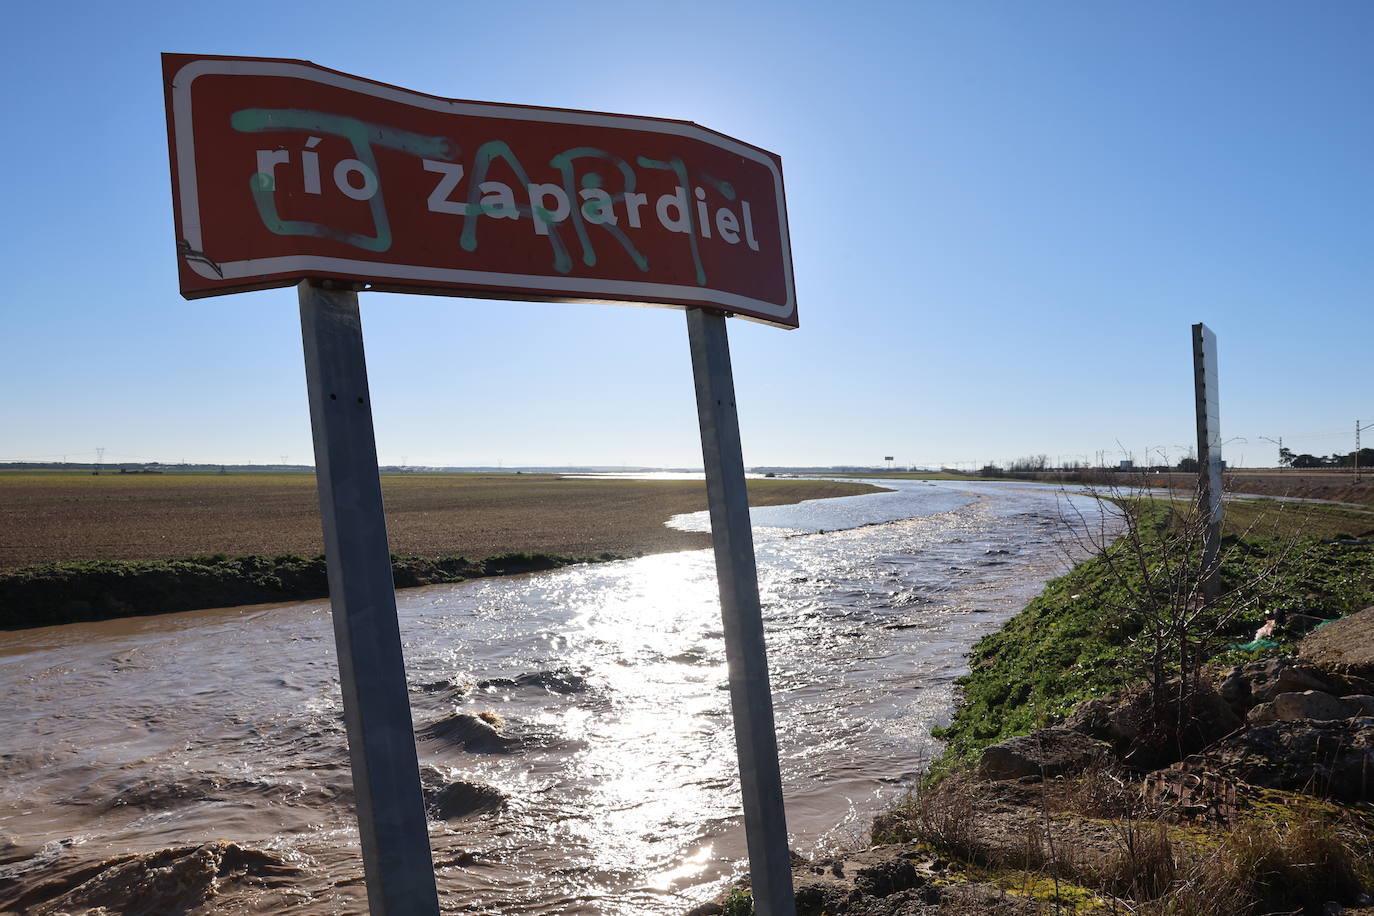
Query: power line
[{"x": 1335, "y": 434}]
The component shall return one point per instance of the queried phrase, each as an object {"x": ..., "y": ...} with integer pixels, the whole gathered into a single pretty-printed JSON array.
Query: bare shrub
[
  {"x": 1158, "y": 566},
  {"x": 938, "y": 815},
  {"x": 1145, "y": 866},
  {"x": 1102, "y": 790}
]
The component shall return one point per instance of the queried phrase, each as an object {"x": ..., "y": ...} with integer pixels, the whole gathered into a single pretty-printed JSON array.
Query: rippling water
[{"x": 600, "y": 777}]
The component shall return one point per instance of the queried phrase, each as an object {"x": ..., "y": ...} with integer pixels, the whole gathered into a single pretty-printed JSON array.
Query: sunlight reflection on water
[{"x": 608, "y": 679}]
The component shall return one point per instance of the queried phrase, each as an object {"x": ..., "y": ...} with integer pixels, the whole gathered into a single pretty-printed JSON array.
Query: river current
[{"x": 574, "y": 727}]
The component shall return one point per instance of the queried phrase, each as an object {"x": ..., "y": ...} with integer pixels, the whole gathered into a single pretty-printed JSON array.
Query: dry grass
[
  {"x": 1256, "y": 868},
  {"x": 50, "y": 518},
  {"x": 1145, "y": 866},
  {"x": 1102, "y": 791},
  {"x": 1151, "y": 866},
  {"x": 937, "y": 815}
]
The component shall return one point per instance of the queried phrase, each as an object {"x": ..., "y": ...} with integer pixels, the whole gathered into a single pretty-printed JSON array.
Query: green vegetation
[
  {"x": 1107, "y": 838},
  {"x": 1272, "y": 518},
  {"x": 1069, "y": 645},
  {"x": 739, "y": 903},
  {"x": 101, "y": 589}
]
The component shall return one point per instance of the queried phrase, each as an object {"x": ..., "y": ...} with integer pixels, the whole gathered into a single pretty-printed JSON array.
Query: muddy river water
[{"x": 196, "y": 762}]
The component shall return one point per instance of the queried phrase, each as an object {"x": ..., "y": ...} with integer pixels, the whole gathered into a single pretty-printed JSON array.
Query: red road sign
[{"x": 283, "y": 170}]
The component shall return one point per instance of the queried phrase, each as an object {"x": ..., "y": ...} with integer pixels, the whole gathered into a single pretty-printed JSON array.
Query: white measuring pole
[
  {"x": 381, "y": 740},
  {"x": 1208, "y": 412},
  {"x": 751, "y": 699}
]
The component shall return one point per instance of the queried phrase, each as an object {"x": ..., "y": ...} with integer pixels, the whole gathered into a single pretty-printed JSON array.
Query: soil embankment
[
  {"x": 84, "y": 547},
  {"x": 1339, "y": 485},
  {"x": 37, "y": 596},
  {"x": 1336, "y": 485},
  {"x": 1070, "y": 784}
]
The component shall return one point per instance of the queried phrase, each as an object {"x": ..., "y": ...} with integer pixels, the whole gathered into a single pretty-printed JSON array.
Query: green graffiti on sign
[
  {"x": 676, "y": 166},
  {"x": 581, "y": 199},
  {"x": 356, "y": 177},
  {"x": 601, "y": 212},
  {"x": 490, "y": 202}
]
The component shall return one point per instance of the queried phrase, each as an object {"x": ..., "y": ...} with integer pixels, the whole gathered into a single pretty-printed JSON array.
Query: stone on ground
[
  {"x": 1323, "y": 757},
  {"x": 1344, "y": 647},
  {"x": 1048, "y": 752}
]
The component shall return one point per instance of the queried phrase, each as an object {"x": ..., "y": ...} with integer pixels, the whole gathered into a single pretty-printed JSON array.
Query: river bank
[
  {"x": 40, "y": 596},
  {"x": 136, "y": 747},
  {"x": 1062, "y": 788},
  {"x": 75, "y": 518},
  {"x": 96, "y": 548}
]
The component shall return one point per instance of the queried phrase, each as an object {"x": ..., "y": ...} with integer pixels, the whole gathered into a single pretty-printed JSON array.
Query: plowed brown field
[{"x": 51, "y": 517}]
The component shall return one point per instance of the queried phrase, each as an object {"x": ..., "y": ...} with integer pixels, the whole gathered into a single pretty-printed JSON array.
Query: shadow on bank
[{"x": 57, "y": 593}]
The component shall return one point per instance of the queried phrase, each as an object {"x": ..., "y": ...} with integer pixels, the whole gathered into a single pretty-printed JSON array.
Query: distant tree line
[
  {"x": 1041, "y": 463},
  {"x": 1288, "y": 459},
  {"x": 1031, "y": 464}
]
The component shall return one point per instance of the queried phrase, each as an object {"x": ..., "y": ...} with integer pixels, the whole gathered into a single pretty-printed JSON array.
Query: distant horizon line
[
  {"x": 961, "y": 467},
  {"x": 596, "y": 468}
]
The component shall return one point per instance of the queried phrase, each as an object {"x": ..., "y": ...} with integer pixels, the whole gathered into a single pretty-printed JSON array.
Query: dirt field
[
  {"x": 65, "y": 517},
  {"x": 1338, "y": 485},
  {"x": 1308, "y": 484}
]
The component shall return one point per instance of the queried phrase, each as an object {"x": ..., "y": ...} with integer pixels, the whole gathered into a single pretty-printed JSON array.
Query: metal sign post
[
  {"x": 1208, "y": 454},
  {"x": 751, "y": 700},
  {"x": 284, "y": 172},
  {"x": 381, "y": 739}
]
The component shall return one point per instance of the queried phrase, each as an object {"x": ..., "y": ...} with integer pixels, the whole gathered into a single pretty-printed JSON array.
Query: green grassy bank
[
  {"x": 57, "y": 593},
  {"x": 1113, "y": 838},
  {"x": 1076, "y": 640}
]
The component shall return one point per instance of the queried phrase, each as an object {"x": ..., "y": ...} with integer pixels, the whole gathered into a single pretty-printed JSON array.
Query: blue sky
[{"x": 1004, "y": 218}]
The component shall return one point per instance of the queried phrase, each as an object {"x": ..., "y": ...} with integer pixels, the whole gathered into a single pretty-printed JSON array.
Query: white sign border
[{"x": 500, "y": 282}]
